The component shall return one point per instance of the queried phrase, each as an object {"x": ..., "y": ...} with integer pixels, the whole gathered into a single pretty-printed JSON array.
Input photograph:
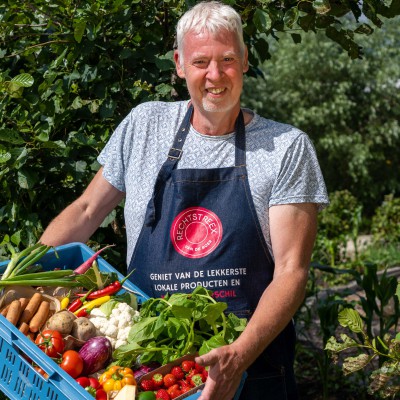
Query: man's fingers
[{"x": 207, "y": 359}]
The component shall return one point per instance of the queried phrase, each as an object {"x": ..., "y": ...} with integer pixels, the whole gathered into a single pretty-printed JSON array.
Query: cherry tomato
[
  {"x": 83, "y": 381},
  {"x": 72, "y": 363},
  {"x": 94, "y": 383},
  {"x": 41, "y": 372},
  {"x": 51, "y": 342}
]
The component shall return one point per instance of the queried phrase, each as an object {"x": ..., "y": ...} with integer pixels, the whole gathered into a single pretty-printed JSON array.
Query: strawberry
[
  {"x": 185, "y": 389},
  {"x": 169, "y": 380},
  {"x": 205, "y": 375},
  {"x": 197, "y": 379},
  {"x": 184, "y": 386},
  {"x": 178, "y": 372},
  {"x": 157, "y": 380},
  {"x": 162, "y": 394},
  {"x": 183, "y": 383},
  {"x": 187, "y": 365},
  {"x": 174, "y": 391},
  {"x": 147, "y": 385},
  {"x": 199, "y": 368}
]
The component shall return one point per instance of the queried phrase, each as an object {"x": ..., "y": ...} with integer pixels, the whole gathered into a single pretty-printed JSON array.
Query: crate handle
[{"x": 18, "y": 340}]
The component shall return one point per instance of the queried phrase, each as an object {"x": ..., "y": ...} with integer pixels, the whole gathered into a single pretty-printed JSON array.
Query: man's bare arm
[
  {"x": 293, "y": 230},
  {"x": 78, "y": 221}
]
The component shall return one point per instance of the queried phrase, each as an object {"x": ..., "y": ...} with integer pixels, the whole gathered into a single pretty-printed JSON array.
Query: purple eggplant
[{"x": 96, "y": 353}]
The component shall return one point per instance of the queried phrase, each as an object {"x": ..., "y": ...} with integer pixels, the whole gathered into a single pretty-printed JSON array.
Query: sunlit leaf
[
  {"x": 24, "y": 80},
  {"x": 351, "y": 319},
  {"x": 262, "y": 20}
]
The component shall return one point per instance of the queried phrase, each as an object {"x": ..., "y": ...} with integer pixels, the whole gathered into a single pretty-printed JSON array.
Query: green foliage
[
  {"x": 337, "y": 224},
  {"x": 70, "y": 71},
  {"x": 385, "y": 379},
  {"x": 386, "y": 221},
  {"x": 350, "y": 108},
  {"x": 177, "y": 325},
  {"x": 89, "y": 64}
]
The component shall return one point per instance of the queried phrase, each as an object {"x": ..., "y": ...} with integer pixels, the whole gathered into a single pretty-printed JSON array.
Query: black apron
[{"x": 201, "y": 228}]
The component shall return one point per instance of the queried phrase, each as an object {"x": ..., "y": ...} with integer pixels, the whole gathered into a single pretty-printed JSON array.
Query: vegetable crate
[{"x": 18, "y": 379}]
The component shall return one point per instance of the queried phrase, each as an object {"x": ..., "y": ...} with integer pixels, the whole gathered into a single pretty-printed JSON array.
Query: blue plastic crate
[{"x": 18, "y": 379}]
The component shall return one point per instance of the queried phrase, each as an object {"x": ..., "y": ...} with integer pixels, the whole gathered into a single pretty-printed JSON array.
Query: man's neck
[{"x": 217, "y": 124}]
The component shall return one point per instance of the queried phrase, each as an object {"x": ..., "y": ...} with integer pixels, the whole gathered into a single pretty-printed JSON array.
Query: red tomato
[
  {"x": 51, "y": 342},
  {"x": 83, "y": 381},
  {"x": 72, "y": 363},
  {"x": 42, "y": 372}
]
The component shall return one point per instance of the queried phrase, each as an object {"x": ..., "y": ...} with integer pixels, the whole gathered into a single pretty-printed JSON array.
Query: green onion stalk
[
  {"x": 18, "y": 270},
  {"x": 19, "y": 262}
]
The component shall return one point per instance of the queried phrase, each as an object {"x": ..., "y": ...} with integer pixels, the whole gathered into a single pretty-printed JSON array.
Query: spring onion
[
  {"x": 18, "y": 271},
  {"x": 19, "y": 262}
]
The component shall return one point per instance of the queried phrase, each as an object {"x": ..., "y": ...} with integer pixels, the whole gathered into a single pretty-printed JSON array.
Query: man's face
[{"x": 213, "y": 68}]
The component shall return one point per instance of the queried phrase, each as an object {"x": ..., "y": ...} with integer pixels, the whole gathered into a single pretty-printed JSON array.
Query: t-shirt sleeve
[
  {"x": 112, "y": 155},
  {"x": 300, "y": 178}
]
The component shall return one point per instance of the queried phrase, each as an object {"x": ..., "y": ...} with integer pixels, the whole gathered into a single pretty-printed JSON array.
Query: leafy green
[
  {"x": 179, "y": 324},
  {"x": 90, "y": 278}
]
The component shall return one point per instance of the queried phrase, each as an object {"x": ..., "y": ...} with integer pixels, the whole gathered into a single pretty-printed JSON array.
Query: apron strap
[
  {"x": 240, "y": 141},
  {"x": 175, "y": 153}
]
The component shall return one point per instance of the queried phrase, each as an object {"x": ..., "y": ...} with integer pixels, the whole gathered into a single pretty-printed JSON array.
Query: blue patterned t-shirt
[{"x": 281, "y": 161}]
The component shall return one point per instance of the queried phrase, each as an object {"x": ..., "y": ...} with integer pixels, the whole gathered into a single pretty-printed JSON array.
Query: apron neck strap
[
  {"x": 175, "y": 152},
  {"x": 240, "y": 141}
]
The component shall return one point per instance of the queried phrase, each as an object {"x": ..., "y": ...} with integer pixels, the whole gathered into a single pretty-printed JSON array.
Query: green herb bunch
[{"x": 179, "y": 324}]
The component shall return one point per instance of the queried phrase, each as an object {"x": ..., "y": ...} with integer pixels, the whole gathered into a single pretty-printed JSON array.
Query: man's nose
[{"x": 214, "y": 70}]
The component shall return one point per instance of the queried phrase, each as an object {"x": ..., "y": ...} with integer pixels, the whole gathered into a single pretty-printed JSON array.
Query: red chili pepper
[
  {"x": 78, "y": 303},
  {"x": 82, "y": 313},
  {"x": 107, "y": 291}
]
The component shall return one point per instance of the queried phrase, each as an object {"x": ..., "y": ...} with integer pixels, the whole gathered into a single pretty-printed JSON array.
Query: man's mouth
[{"x": 215, "y": 90}]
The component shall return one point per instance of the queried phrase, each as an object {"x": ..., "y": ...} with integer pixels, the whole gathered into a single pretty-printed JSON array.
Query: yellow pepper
[
  {"x": 92, "y": 304},
  {"x": 116, "y": 377},
  {"x": 65, "y": 301}
]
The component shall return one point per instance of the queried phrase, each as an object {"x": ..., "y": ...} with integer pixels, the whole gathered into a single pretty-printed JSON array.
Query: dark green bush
[{"x": 386, "y": 221}]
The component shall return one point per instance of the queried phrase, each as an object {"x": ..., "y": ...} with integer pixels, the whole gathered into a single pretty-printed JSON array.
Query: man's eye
[{"x": 228, "y": 59}]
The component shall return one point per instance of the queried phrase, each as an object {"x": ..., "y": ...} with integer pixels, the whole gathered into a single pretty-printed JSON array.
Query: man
[{"x": 214, "y": 195}]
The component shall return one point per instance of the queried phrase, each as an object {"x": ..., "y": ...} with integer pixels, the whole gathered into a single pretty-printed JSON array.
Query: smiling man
[{"x": 214, "y": 195}]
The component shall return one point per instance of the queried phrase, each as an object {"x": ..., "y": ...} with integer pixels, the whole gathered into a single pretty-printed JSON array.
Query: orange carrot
[
  {"x": 31, "y": 308},
  {"x": 24, "y": 302},
  {"x": 24, "y": 328},
  {"x": 14, "y": 311},
  {"x": 40, "y": 317},
  {"x": 4, "y": 310}
]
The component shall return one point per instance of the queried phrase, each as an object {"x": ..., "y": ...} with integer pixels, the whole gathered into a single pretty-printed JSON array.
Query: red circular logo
[{"x": 196, "y": 232}]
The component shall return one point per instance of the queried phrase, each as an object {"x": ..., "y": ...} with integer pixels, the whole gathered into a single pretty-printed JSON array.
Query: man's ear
[{"x": 179, "y": 69}]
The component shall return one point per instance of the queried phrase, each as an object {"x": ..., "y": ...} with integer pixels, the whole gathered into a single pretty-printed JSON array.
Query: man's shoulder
[
  {"x": 265, "y": 129},
  {"x": 158, "y": 109}
]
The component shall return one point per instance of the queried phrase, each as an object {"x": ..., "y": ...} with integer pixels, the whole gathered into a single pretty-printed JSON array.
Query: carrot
[
  {"x": 31, "y": 308},
  {"x": 24, "y": 302},
  {"x": 4, "y": 310},
  {"x": 14, "y": 311},
  {"x": 40, "y": 317},
  {"x": 24, "y": 328},
  {"x": 88, "y": 263}
]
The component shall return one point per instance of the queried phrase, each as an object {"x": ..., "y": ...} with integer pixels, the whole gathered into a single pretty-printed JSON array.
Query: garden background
[{"x": 70, "y": 71}]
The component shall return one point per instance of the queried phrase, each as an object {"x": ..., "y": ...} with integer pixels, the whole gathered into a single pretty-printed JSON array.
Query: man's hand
[{"x": 224, "y": 374}]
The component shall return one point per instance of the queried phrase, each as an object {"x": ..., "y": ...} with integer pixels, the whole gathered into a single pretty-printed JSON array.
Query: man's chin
[{"x": 216, "y": 107}]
